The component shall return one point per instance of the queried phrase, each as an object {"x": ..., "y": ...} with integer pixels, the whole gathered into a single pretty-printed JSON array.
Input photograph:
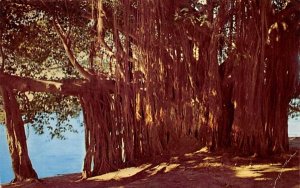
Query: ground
[{"x": 196, "y": 169}]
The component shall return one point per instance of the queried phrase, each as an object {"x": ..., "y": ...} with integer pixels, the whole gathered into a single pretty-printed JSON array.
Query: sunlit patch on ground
[
  {"x": 163, "y": 167},
  {"x": 259, "y": 170},
  {"x": 123, "y": 173},
  {"x": 171, "y": 167},
  {"x": 202, "y": 150}
]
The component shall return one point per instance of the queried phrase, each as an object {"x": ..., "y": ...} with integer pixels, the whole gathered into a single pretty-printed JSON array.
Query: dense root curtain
[
  {"x": 207, "y": 80},
  {"x": 265, "y": 73},
  {"x": 178, "y": 79},
  {"x": 102, "y": 138},
  {"x": 186, "y": 73}
]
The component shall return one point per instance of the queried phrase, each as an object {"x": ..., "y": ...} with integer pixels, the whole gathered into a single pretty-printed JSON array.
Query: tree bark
[
  {"x": 102, "y": 139},
  {"x": 65, "y": 87},
  {"x": 16, "y": 138}
]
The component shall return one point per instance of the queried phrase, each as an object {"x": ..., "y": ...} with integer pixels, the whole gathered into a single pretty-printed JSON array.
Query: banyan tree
[{"x": 160, "y": 73}]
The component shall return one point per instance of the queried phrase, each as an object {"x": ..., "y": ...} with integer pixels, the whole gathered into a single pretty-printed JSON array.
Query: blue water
[
  {"x": 48, "y": 157},
  {"x": 53, "y": 157},
  {"x": 294, "y": 127}
]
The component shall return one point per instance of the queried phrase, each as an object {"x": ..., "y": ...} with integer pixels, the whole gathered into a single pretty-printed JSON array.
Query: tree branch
[
  {"x": 294, "y": 108},
  {"x": 67, "y": 87},
  {"x": 69, "y": 52},
  {"x": 100, "y": 26}
]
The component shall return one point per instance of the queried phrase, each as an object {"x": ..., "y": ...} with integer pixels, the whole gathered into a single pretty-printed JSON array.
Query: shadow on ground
[{"x": 196, "y": 169}]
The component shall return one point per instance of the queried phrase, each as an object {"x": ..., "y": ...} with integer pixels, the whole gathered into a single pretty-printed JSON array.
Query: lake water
[
  {"x": 48, "y": 157},
  {"x": 53, "y": 157}
]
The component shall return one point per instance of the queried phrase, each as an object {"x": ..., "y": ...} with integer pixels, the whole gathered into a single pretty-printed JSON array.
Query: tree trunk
[
  {"x": 16, "y": 138},
  {"x": 282, "y": 76},
  {"x": 102, "y": 139}
]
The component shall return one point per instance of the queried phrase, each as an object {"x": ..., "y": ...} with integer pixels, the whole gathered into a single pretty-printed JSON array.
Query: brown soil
[{"x": 195, "y": 169}]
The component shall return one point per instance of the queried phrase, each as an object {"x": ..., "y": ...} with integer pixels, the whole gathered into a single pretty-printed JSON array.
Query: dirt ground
[{"x": 196, "y": 169}]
